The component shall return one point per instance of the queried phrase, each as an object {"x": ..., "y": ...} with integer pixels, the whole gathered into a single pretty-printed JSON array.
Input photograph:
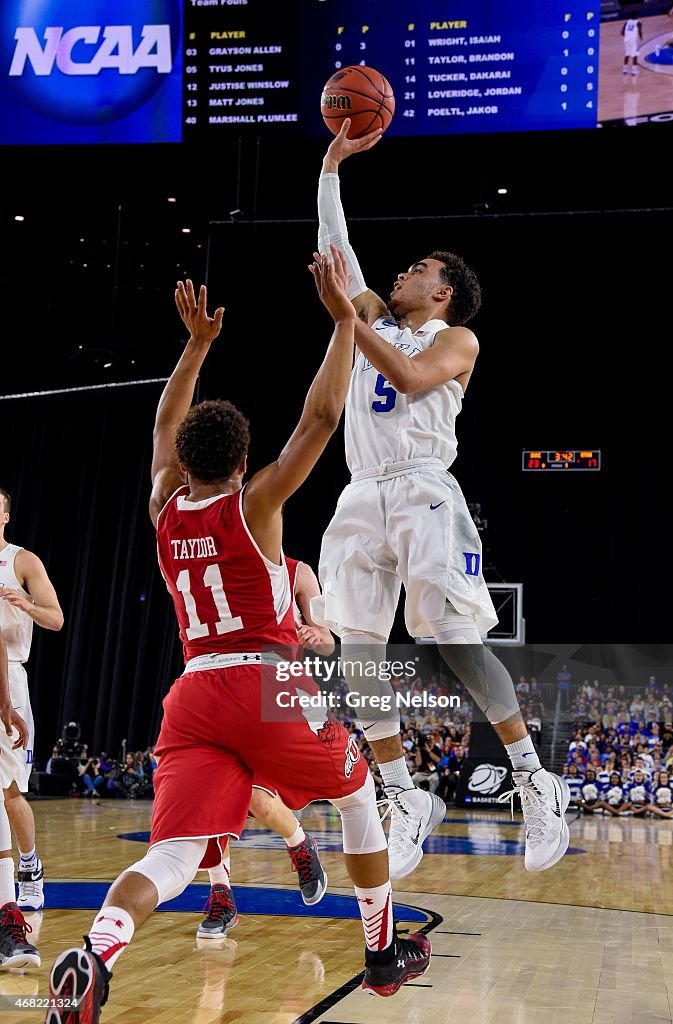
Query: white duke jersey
[
  {"x": 16, "y": 626},
  {"x": 384, "y": 426}
]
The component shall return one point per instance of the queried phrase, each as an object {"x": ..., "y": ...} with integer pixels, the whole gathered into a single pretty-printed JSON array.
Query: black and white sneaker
[
  {"x": 78, "y": 987},
  {"x": 221, "y": 914},
  {"x": 403, "y": 960},
  {"x": 31, "y": 887},
  {"x": 312, "y": 877},
  {"x": 15, "y": 950},
  {"x": 414, "y": 814}
]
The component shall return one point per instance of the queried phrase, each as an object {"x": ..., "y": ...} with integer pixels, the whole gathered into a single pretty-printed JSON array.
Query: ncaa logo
[
  {"x": 487, "y": 779},
  {"x": 88, "y": 61}
]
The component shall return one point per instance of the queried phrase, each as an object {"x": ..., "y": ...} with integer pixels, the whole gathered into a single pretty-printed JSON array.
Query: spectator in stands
[
  {"x": 615, "y": 798},
  {"x": 55, "y": 755},
  {"x": 651, "y": 713},
  {"x": 93, "y": 779},
  {"x": 578, "y": 759},
  {"x": 662, "y": 796},
  {"x": 643, "y": 755},
  {"x": 610, "y": 716},
  {"x": 578, "y": 741},
  {"x": 125, "y": 780},
  {"x": 534, "y": 723},
  {"x": 639, "y": 795},
  {"x": 589, "y": 792},
  {"x": 427, "y": 757},
  {"x": 667, "y": 734},
  {"x": 636, "y": 707},
  {"x": 575, "y": 782},
  {"x": 522, "y": 686}
]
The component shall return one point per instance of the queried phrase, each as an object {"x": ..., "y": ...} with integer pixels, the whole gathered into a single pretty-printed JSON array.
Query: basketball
[{"x": 361, "y": 93}]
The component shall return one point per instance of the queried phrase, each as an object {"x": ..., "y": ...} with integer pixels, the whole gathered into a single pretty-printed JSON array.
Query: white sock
[
  {"x": 227, "y": 863},
  {"x": 111, "y": 933},
  {"x": 396, "y": 773},
  {"x": 523, "y": 755},
  {"x": 297, "y": 837},
  {"x": 376, "y": 910},
  {"x": 219, "y": 875},
  {"x": 7, "y": 890},
  {"x": 29, "y": 859}
]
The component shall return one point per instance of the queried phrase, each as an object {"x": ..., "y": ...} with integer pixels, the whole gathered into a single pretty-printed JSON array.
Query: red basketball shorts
[{"x": 213, "y": 745}]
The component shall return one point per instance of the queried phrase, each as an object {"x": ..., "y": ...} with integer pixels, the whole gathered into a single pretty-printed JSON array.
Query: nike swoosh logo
[
  {"x": 557, "y": 811},
  {"x": 415, "y": 838},
  {"x": 433, "y": 507}
]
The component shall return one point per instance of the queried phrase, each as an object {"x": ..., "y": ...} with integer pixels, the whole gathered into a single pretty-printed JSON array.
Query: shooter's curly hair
[{"x": 466, "y": 298}]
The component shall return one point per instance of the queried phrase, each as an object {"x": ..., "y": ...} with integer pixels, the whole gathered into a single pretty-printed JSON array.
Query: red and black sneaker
[
  {"x": 78, "y": 987},
  {"x": 312, "y": 876},
  {"x": 221, "y": 913},
  {"x": 15, "y": 950},
  {"x": 386, "y": 971}
]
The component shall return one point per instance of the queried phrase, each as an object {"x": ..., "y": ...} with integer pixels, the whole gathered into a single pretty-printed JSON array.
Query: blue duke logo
[
  {"x": 88, "y": 61},
  {"x": 472, "y": 563}
]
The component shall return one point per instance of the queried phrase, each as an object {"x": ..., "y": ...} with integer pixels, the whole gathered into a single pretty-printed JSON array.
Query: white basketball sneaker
[
  {"x": 544, "y": 799},
  {"x": 414, "y": 813},
  {"x": 31, "y": 886}
]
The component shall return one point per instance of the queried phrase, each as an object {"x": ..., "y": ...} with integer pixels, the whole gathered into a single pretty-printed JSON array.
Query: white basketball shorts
[
  {"x": 415, "y": 529},
  {"x": 16, "y": 765}
]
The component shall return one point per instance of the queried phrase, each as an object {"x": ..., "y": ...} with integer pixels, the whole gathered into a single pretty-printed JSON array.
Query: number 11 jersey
[
  {"x": 228, "y": 597},
  {"x": 384, "y": 426}
]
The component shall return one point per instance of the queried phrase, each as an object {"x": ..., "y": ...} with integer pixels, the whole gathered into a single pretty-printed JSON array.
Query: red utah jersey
[
  {"x": 292, "y": 569},
  {"x": 228, "y": 597}
]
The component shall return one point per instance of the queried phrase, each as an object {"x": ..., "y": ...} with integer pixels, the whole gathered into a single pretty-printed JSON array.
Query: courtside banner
[{"x": 481, "y": 782}]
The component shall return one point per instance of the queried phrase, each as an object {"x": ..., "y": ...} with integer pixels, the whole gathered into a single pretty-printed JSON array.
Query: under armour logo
[
  {"x": 119, "y": 924},
  {"x": 401, "y": 963},
  {"x": 365, "y": 899}
]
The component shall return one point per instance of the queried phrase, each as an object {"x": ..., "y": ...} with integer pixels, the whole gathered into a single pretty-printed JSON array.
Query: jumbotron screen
[{"x": 122, "y": 71}]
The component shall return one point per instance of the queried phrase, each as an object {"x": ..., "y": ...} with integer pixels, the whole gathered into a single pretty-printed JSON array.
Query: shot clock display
[{"x": 576, "y": 458}]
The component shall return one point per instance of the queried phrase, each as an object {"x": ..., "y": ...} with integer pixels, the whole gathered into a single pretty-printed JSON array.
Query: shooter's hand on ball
[{"x": 341, "y": 146}]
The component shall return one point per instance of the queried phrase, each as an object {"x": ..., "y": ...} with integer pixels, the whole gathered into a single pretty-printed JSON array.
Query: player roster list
[
  {"x": 472, "y": 65},
  {"x": 454, "y": 66},
  {"x": 240, "y": 66}
]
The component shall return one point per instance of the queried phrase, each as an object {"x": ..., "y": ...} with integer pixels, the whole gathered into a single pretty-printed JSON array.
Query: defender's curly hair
[
  {"x": 466, "y": 298},
  {"x": 212, "y": 440}
]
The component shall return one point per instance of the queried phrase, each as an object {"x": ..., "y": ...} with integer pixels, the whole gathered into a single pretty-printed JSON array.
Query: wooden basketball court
[{"x": 590, "y": 941}]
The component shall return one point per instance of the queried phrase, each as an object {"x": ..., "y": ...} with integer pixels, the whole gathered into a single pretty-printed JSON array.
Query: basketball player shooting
[
  {"x": 403, "y": 520},
  {"x": 220, "y": 551}
]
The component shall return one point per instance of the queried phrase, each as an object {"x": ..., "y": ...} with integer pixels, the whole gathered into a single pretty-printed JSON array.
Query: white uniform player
[
  {"x": 403, "y": 520},
  {"x": 632, "y": 33},
  {"x": 17, "y": 630},
  {"x": 26, "y": 597}
]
